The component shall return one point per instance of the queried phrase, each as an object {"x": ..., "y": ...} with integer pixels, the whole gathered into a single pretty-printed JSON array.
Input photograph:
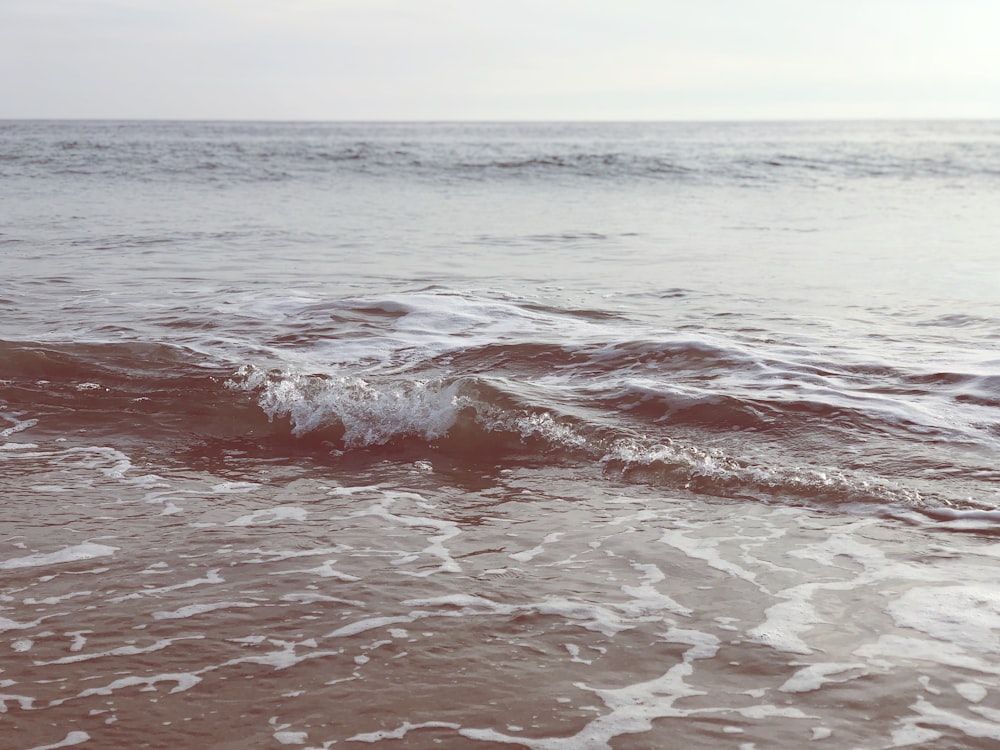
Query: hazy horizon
[{"x": 508, "y": 121}]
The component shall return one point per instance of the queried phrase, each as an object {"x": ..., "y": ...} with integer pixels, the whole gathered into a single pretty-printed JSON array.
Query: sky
[{"x": 499, "y": 59}]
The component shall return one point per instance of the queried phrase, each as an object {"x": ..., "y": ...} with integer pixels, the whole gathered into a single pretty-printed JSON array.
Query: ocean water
[{"x": 552, "y": 436}]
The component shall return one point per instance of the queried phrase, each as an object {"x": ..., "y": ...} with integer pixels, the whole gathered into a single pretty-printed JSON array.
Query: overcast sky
[{"x": 499, "y": 59}]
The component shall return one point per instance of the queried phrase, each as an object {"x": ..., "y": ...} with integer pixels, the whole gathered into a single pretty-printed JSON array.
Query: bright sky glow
[{"x": 499, "y": 59}]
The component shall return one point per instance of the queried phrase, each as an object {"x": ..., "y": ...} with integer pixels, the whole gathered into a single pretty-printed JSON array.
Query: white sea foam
[
  {"x": 370, "y": 412},
  {"x": 270, "y": 515},
  {"x": 649, "y": 601},
  {"x": 235, "y": 487},
  {"x": 973, "y": 692},
  {"x": 967, "y": 615},
  {"x": 184, "y": 681},
  {"x": 18, "y": 426},
  {"x": 56, "y": 599},
  {"x": 706, "y": 550},
  {"x": 8, "y": 446},
  {"x": 291, "y": 738},
  {"x": 979, "y": 728},
  {"x": 633, "y": 708},
  {"x": 24, "y": 702},
  {"x": 895, "y": 647},
  {"x": 120, "y": 651},
  {"x": 110, "y": 462},
  {"x": 789, "y": 621},
  {"x": 192, "y": 610},
  {"x": 76, "y": 553},
  {"x": 584, "y": 614},
  {"x": 436, "y": 543},
  {"x": 401, "y": 731},
  {"x": 543, "y": 425},
  {"x": 326, "y": 570},
  {"x": 311, "y": 598},
  {"x": 283, "y": 657},
  {"x": 270, "y": 556},
  {"x": 210, "y": 578},
  {"x": 370, "y": 623},
  {"x": 530, "y": 554},
  {"x": 814, "y": 676},
  {"x": 79, "y": 639},
  {"x": 574, "y": 653},
  {"x": 73, "y": 738}
]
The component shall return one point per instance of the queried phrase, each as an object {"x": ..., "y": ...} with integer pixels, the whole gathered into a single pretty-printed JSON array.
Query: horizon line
[{"x": 504, "y": 120}]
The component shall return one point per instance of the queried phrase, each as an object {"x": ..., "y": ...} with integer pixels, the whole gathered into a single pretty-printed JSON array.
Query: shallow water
[{"x": 552, "y": 436}]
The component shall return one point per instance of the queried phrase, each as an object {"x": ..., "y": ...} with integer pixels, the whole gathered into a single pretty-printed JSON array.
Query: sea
[{"x": 559, "y": 436}]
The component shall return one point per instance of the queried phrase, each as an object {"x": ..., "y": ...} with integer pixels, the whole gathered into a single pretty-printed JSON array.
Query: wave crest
[{"x": 363, "y": 412}]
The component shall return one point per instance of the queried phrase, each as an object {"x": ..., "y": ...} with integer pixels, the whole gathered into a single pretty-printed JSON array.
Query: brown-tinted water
[{"x": 544, "y": 436}]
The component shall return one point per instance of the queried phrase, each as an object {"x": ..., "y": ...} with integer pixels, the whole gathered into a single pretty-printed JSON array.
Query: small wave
[
  {"x": 475, "y": 420},
  {"x": 714, "y": 472},
  {"x": 680, "y": 413}
]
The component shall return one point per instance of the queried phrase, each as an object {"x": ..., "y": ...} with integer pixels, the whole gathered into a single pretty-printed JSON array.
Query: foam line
[{"x": 77, "y": 552}]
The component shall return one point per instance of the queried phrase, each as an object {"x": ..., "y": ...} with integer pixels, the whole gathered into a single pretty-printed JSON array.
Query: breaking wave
[
  {"x": 710, "y": 421},
  {"x": 362, "y": 412}
]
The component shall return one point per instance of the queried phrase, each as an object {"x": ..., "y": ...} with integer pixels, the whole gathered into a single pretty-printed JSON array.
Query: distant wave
[{"x": 237, "y": 153}]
